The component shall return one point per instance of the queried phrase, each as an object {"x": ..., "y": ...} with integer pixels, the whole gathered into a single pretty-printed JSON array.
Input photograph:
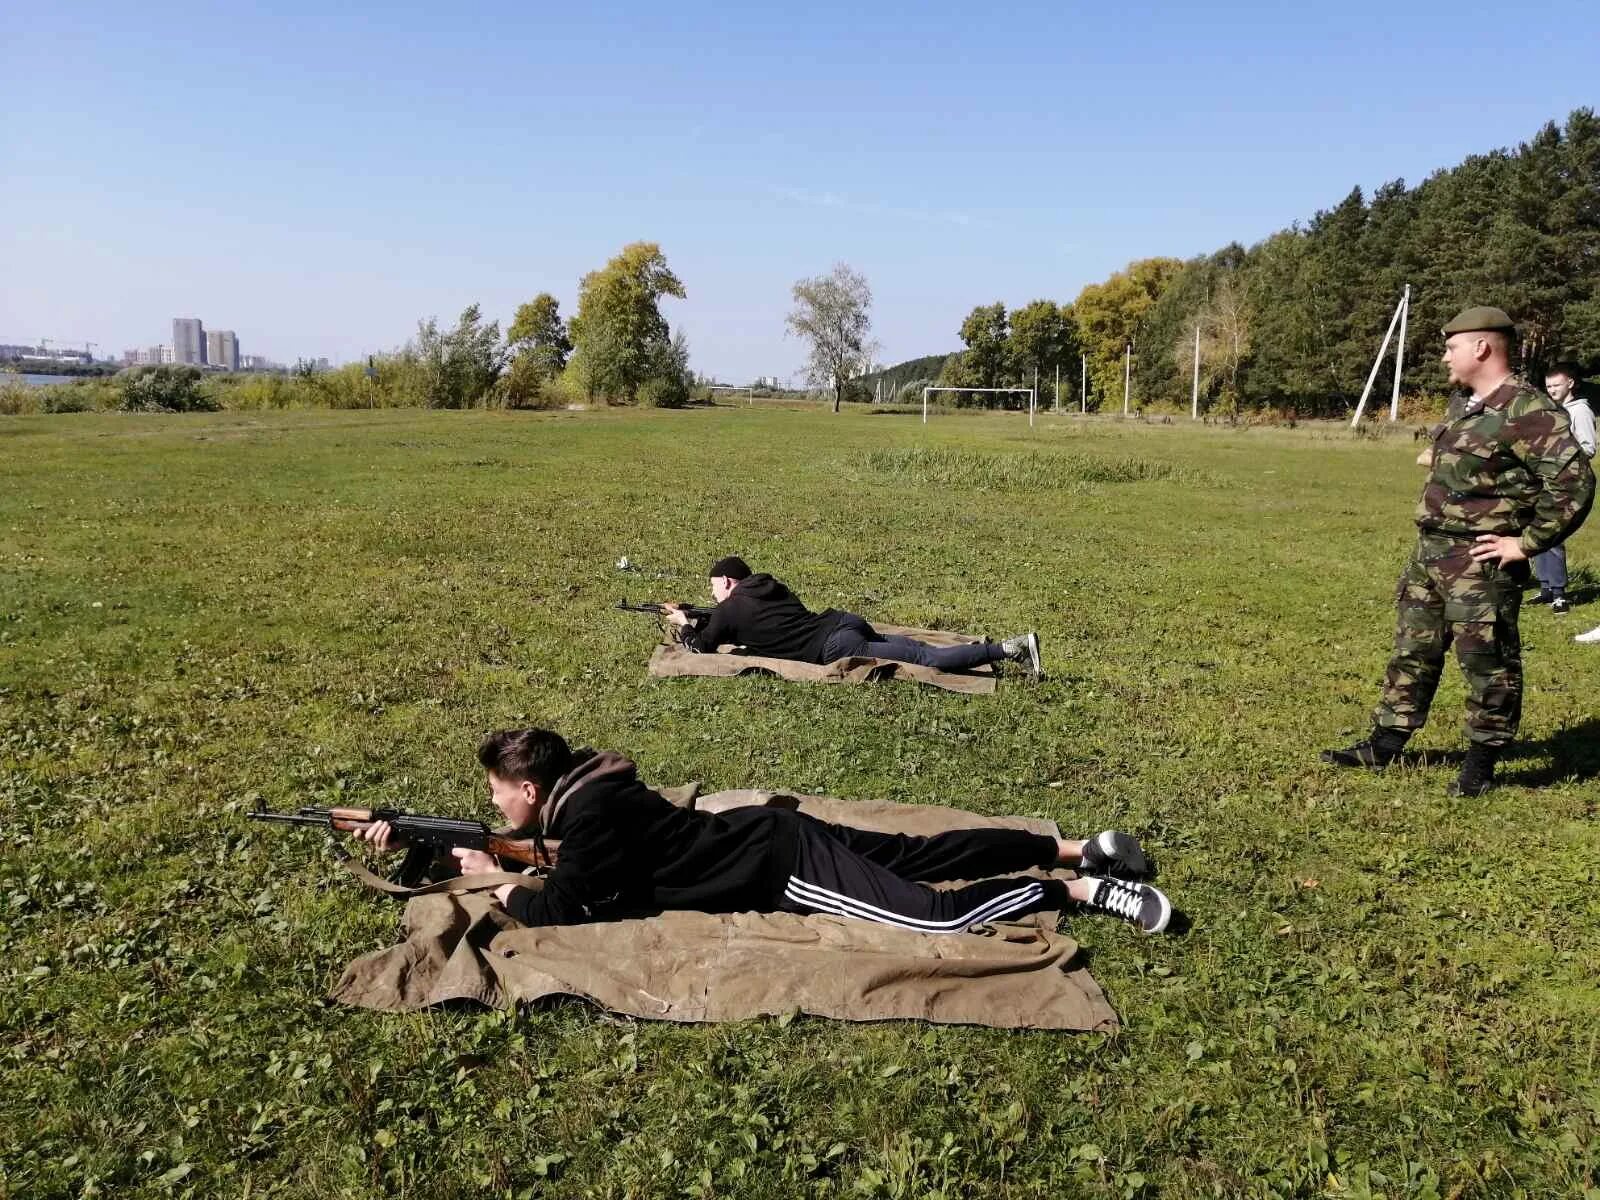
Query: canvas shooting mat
[
  {"x": 667, "y": 661},
  {"x": 692, "y": 966}
]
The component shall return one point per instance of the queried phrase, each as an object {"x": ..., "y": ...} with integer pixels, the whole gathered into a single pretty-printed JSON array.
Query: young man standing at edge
[
  {"x": 762, "y": 615},
  {"x": 1560, "y": 383},
  {"x": 627, "y": 852},
  {"x": 1506, "y": 480}
]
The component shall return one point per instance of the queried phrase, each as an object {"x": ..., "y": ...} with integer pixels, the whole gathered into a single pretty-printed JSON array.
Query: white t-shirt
[{"x": 1582, "y": 417}]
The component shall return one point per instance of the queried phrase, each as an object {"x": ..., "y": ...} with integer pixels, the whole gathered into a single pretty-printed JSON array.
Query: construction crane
[{"x": 88, "y": 347}]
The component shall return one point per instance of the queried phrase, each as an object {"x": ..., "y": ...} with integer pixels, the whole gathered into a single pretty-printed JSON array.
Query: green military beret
[{"x": 1482, "y": 317}]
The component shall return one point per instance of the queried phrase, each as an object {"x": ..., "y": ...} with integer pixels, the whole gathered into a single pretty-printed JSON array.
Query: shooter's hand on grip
[{"x": 380, "y": 834}]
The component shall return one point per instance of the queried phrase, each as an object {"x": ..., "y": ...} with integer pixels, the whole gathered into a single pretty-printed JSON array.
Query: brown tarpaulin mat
[
  {"x": 691, "y": 966},
  {"x": 670, "y": 661}
]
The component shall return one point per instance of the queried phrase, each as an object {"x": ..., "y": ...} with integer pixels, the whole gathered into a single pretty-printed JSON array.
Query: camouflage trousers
[{"x": 1447, "y": 597}]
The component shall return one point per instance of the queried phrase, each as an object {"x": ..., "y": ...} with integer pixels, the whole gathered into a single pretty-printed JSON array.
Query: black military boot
[
  {"x": 1374, "y": 753},
  {"x": 1477, "y": 772}
]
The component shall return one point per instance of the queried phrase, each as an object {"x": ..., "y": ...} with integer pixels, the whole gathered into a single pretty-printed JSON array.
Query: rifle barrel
[{"x": 297, "y": 818}]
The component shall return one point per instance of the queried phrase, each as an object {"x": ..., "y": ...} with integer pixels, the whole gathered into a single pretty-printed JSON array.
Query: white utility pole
[
  {"x": 1377, "y": 362},
  {"x": 1194, "y": 397},
  {"x": 1400, "y": 354},
  {"x": 1127, "y": 376},
  {"x": 1083, "y": 384},
  {"x": 1058, "y": 387}
]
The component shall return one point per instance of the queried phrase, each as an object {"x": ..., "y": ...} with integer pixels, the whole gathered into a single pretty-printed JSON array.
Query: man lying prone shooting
[
  {"x": 759, "y": 613},
  {"x": 626, "y": 851}
]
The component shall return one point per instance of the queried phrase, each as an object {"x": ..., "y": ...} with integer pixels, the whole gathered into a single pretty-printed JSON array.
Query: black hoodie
[
  {"x": 626, "y": 852},
  {"x": 764, "y": 617}
]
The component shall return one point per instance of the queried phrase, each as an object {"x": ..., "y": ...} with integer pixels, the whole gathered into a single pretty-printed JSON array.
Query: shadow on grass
[
  {"x": 1570, "y": 753},
  {"x": 1573, "y": 753}
]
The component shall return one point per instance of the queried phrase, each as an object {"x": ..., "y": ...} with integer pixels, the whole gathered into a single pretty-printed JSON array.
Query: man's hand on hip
[{"x": 1504, "y": 550}]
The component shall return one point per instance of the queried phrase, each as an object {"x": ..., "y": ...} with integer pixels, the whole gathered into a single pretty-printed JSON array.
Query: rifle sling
[{"x": 485, "y": 882}]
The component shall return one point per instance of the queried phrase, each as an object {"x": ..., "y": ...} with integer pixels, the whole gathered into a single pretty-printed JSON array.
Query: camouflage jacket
[{"x": 1507, "y": 465}]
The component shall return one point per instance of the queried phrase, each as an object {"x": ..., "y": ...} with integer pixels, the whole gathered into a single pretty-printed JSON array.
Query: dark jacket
[
  {"x": 626, "y": 852},
  {"x": 766, "y": 618}
]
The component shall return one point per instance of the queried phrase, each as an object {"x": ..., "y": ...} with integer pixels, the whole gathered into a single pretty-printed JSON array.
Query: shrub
[
  {"x": 83, "y": 396},
  {"x": 528, "y": 384},
  {"x": 667, "y": 384},
  {"x": 164, "y": 389},
  {"x": 17, "y": 398},
  {"x": 664, "y": 391},
  {"x": 251, "y": 393}
]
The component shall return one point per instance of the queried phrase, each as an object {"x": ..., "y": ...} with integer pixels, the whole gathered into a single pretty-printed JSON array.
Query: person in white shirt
[{"x": 1561, "y": 382}]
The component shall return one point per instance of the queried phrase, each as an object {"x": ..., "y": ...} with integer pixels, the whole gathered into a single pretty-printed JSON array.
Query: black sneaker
[
  {"x": 1374, "y": 753},
  {"x": 1560, "y": 606},
  {"x": 1113, "y": 853},
  {"x": 1477, "y": 772},
  {"x": 1137, "y": 903},
  {"x": 1543, "y": 597}
]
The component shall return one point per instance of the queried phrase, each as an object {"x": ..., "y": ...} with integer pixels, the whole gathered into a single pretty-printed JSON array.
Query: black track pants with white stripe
[{"x": 873, "y": 876}]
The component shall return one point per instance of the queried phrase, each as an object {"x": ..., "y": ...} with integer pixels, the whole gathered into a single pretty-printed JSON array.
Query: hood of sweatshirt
[
  {"x": 762, "y": 587},
  {"x": 604, "y": 765}
]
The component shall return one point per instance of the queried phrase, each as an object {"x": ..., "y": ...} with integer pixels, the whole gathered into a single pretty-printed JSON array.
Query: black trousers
[
  {"x": 879, "y": 876},
  {"x": 854, "y": 637}
]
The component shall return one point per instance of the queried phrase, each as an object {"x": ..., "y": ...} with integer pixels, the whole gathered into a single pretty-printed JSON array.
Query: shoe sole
[
  {"x": 1035, "y": 659},
  {"x": 1165, "y": 917},
  {"x": 1125, "y": 858}
]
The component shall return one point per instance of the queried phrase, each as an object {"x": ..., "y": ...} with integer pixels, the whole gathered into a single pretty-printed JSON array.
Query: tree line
[{"x": 1293, "y": 323}]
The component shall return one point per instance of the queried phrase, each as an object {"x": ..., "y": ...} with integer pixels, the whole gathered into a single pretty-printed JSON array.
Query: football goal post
[
  {"x": 725, "y": 387},
  {"x": 1031, "y": 393}
]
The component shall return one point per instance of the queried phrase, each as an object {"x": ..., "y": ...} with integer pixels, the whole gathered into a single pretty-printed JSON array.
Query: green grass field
[{"x": 1384, "y": 992}]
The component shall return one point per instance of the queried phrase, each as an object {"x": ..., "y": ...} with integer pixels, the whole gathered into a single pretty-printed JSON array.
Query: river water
[{"x": 45, "y": 380}]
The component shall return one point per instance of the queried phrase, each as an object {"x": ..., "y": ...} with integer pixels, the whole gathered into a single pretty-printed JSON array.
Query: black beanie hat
[{"x": 733, "y": 567}]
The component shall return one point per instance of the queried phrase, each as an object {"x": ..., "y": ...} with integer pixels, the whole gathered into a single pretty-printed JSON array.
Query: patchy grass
[
  {"x": 944, "y": 467},
  {"x": 1385, "y": 992}
]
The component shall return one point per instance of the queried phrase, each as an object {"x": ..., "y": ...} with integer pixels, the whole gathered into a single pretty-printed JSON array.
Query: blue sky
[{"x": 318, "y": 180}]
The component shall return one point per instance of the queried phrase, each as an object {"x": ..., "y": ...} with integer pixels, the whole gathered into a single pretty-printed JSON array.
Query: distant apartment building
[
  {"x": 188, "y": 341},
  {"x": 222, "y": 349},
  {"x": 151, "y": 356}
]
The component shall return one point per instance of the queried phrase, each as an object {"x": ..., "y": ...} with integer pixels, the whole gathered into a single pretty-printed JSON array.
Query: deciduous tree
[
  {"x": 619, "y": 335},
  {"x": 832, "y": 314}
]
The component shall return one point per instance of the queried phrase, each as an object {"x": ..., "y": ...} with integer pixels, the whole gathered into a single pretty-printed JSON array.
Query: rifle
[
  {"x": 439, "y": 833},
  {"x": 693, "y": 612}
]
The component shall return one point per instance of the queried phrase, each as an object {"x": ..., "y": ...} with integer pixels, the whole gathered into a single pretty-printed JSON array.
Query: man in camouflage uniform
[{"x": 1506, "y": 481}]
